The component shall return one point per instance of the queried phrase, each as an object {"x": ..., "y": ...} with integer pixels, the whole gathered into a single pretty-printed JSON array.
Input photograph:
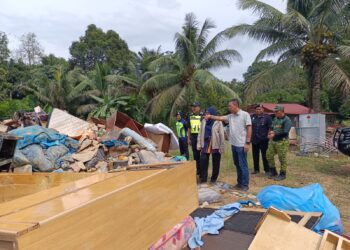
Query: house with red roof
[{"x": 293, "y": 110}]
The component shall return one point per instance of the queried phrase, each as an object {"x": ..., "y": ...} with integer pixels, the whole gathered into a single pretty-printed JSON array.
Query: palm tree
[
  {"x": 136, "y": 71},
  {"x": 104, "y": 94},
  {"x": 177, "y": 78},
  {"x": 63, "y": 90},
  {"x": 304, "y": 35}
]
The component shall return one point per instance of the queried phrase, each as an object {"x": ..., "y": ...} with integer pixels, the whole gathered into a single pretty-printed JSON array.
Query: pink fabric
[{"x": 177, "y": 237}]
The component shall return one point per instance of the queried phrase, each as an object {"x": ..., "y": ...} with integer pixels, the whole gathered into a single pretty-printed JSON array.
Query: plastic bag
[
  {"x": 37, "y": 158},
  {"x": 306, "y": 199}
]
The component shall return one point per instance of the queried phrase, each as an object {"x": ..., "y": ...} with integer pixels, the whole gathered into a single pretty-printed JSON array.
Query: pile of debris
[{"x": 68, "y": 143}]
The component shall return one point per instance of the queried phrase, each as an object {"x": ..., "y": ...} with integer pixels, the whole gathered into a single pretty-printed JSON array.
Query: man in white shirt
[{"x": 240, "y": 127}]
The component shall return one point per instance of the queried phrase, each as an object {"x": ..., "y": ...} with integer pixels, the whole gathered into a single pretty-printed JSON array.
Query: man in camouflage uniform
[{"x": 279, "y": 143}]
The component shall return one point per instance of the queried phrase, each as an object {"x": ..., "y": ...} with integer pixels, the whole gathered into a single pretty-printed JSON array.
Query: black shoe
[
  {"x": 272, "y": 173},
  {"x": 267, "y": 174},
  {"x": 237, "y": 186},
  {"x": 213, "y": 182},
  {"x": 244, "y": 188},
  {"x": 281, "y": 177},
  {"x": 255, "y": 172}
]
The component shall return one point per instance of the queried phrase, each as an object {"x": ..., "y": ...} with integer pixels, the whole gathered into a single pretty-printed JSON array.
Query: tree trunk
[{"x": 315, "y": 73}]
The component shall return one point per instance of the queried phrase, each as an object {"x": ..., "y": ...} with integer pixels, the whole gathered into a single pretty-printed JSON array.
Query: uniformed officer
[
  {"x": 181, "y": 131},
  {"x": 261, "y": 125},
  {"x": 279, "y": 142},
  {"x": 194, "y": 127}
]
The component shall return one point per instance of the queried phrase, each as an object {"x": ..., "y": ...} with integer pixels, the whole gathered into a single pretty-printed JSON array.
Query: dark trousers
[
  {"x": 257, "y": 148},
  {"x": 203, "y": 174},
  {"x": 196, "y": 153},
  {"x": 183, "y": 147},
  {"x": 240, "y": 161}
]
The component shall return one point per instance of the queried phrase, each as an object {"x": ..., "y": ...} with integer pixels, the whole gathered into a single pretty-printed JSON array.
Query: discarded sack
[
  {"x": 138, "y": 139},
  {"x": 306, "y": 199},
  {"x": 42, "y": 148}
]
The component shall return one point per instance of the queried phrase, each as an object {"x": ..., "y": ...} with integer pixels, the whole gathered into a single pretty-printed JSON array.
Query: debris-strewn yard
[{"x": 332, "y": 173}]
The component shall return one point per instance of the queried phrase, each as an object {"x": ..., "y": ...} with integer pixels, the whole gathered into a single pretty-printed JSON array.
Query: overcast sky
[{"x": 141, "y": 23}]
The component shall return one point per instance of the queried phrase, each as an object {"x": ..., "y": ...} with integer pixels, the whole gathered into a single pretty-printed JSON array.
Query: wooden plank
[
  {"x": 305, "y": 219},
  {"x": 48, "y": 194},
  {"x": 8, "y": 245},
  {"x": 68, "y": 124},
  {"x": 277, "y": 233},
  {"x": 132, "y": 216},
  {"x": 345, "y": 245},
  {"x": 52, "y": 179},
  {"x": 328, "y": 242},
  {"x": 273, "y": 211},
  {"x": 332, "y": 241}
]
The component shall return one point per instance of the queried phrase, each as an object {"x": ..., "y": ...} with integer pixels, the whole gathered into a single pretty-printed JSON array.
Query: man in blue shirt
[{"x": 261, "y": 124}]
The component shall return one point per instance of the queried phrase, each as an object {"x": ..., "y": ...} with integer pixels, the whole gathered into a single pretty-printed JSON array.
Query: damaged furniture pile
[{"x": 64, "y": 143}]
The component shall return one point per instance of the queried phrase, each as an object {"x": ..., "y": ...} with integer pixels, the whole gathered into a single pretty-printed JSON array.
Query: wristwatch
[{"x": 247, "y": 142}]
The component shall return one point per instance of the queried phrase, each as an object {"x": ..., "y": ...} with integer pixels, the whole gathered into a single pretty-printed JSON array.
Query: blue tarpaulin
[
  {"x": 310, "y": 198},
  {"x": 43, "y": 148}
]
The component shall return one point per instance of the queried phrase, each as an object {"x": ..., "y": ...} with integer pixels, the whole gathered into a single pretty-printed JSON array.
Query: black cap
[
  {"x": 196, "y": 104},
  {"x": 259, "y": 105},
  {"x": 179, "y": 113}
]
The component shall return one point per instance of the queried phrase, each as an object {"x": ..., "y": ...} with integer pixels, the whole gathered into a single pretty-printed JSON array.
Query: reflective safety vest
[
  {"x": 180, "y": 129},
  {"x": 195, "y": 123}
]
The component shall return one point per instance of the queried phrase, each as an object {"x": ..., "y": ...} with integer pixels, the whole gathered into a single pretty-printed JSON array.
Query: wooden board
[
  {"x": 334, "y": 241},
  {"x": 13, "y": 186},
  {"x": 276, "y": 232},
  {"x": 67, "y": 124},
  {"x": 130, "y": 210}
]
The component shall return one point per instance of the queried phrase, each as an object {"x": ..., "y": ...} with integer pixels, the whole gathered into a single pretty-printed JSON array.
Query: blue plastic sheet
[
  {"x": 43, "y": 148},
  {"x": 44, "y": 136},
  {"x": 310, "y": 198},
  {"x": 114, "y": 143}
]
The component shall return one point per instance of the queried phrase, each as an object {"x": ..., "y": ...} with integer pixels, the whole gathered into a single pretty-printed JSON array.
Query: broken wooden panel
[
  {"x": 121, "y": 120},
  {"x": 67, "y": 124},
  {"x": 277, "y": 231},
  {"x": 334, "y": 241},
  {"x": 128, "y": 210}
]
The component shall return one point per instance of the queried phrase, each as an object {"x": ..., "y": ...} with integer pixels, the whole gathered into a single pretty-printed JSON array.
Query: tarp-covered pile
[
  {"x": 44, "y": 149},
  {"x": 72, "y": 144}
]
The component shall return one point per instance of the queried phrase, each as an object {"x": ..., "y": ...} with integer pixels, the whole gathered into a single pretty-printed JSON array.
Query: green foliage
[
  {"x": 108, "y": 105},
  {"x": 178, "y": 78},
  {"x": 97, "y": 46},
  {"x": 210, "y": 97},
  {"x": 345, "y": 109},
  {"x": 57, "y": 87},
  {"x": 283, "y": 95},
  {"x": 255, "y": 69},
  {"x": 10, "y": 106},
  {"x": 306, "y": 34},
  {"x": 4, "y": 50}
]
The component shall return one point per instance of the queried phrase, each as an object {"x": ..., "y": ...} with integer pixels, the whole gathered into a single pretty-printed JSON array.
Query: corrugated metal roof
[{"x": 289, "y": 108}]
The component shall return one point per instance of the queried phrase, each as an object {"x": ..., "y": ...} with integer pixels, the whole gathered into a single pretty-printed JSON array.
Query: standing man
[
  {"x": 261, "y": 124},
  {"x": 279, "y": 143},
  {"x": 181, "y": 131},
  {"x": 240, "y": 127},
  {"x": 194, "y": 127}
]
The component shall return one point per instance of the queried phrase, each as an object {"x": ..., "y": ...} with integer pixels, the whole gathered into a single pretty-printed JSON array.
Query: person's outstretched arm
[{"x": 216, "y": 118}]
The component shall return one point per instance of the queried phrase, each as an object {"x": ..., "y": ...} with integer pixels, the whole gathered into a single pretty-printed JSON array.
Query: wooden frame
[
  {"x": 334, "y": 241},
  {"x": 125, "y": 210},
  {"x": 277, "y": 231}
]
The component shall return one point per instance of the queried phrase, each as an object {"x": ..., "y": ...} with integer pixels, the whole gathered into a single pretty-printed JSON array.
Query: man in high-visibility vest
[
  {"x": 181, "y": 131},
  {"x": 194, "y": 127}
]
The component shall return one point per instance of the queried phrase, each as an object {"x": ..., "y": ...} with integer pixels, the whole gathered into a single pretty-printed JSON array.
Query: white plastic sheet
[{"x": 160, "y": 129}]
